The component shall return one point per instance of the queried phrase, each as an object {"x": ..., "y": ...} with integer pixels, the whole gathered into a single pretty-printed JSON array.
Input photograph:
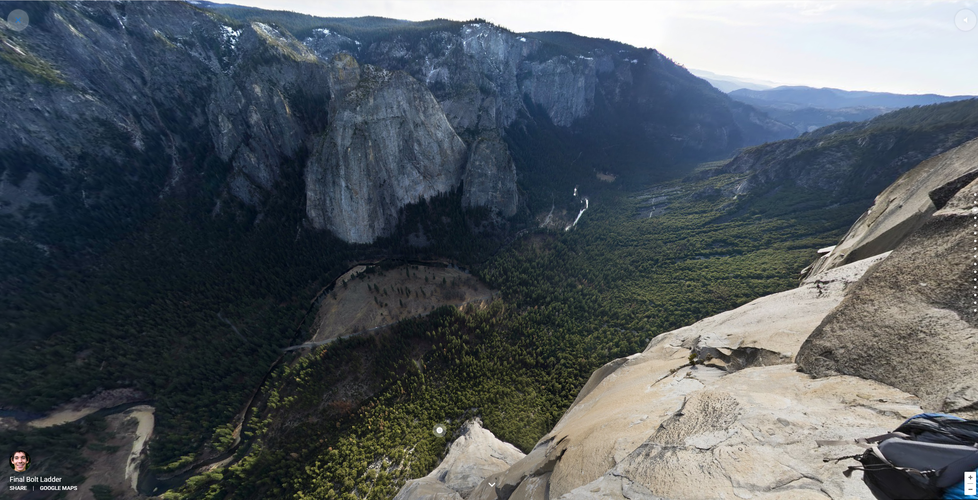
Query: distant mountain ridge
[
  {"x": 777, "y": 363},
  {"x": 808, "y": 108},
  {"x": 855, "y": 161},
  {"x": 727, "y": 83},
  {"x": 795, "y": 97},
  {"x": 802, "y": 365}
]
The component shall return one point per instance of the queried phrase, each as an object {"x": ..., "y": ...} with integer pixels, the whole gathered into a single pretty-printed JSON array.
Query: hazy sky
[{"x": 904, "y": 47}]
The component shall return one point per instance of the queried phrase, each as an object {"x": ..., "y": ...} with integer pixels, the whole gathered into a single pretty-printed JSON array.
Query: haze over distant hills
[
  {"x": 727, "y": 83},
  {"x": 808, "y": 108},
  {"x": 796, "y": 97},
  {"x": 167, "y": 138}
]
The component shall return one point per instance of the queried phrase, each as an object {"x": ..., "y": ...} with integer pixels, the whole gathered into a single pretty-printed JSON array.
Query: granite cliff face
[
  {"x": 490, "y": 177},
  {"x": 473, "y": 456},
  {"x": 250, "y": 120},
  {"x": 904, "y": 207},
  {"x": 480, "y": 74},
  {"x": 910, "y": 323},
  {"x": 157, "y": 75},
  {"x": 116, "y": 105},
  {"x": 486, "y": 77},
  {"x": 190, "y": 103},
  {"x": 388, "y": 144}
]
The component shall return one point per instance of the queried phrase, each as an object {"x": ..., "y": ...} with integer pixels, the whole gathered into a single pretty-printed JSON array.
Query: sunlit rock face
[
  {"x": 187, "y": 103},
  {"x": 904, "y": 206},
  {"x": 475, "y": 455},
  {"x": 388, "y": 144},
  {"x": 732, "y": 406},
  {"x": 739, "y": 423},
  {"x": 910, "y": 323},
  {"x": 489, "y": 79}
]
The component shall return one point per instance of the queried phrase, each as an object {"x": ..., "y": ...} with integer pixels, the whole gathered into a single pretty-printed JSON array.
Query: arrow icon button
[{"x": 965, "y": 19}]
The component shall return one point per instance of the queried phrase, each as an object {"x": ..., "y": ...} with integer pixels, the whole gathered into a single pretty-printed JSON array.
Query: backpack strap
[
  {"x": 929, "y": 475},
  {"x": 837, "y": 460},
  {"x": 865, "y": 443}
]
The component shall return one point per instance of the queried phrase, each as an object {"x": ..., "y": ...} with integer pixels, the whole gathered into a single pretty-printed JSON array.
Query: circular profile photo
[{"x": 20, "y": 461}]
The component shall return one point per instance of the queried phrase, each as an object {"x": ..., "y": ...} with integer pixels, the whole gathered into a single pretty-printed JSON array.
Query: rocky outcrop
[
  {"x": 187, "y": 100},
  {"x": 904, "y": 207},
  {"x": 388, "y": 144},
  {"x": 481, "y": 73},
  {"x": 910, "y": 322},
  {"x": 124, "y": 104},
  {"x": 496, "y": 56},
  {"x": 751, "y": 435},
  {"x": 490, "y": 177},
  {"x": 474, "y": 455},
  {"x": 739, "y": 422},
  {"x": 156, "y": 79},
  {"x": 326, "y": 44},
  {"x": 724, "y": 408}
]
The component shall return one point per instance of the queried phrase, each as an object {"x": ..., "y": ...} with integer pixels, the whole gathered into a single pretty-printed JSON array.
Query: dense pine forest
[
  {"x": 190, "y": 297},
  {"x": 353, "y": 419}
]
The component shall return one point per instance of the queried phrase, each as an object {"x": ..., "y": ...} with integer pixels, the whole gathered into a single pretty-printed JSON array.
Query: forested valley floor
[
  {"x": 353, "y": 419},
  {"x": 194, "y": 311}
]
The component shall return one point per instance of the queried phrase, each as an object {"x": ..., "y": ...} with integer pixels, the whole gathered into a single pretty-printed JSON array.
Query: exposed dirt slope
[{"x": 363, "y": 300}]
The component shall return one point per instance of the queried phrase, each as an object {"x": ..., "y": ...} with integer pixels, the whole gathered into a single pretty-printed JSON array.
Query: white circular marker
[
  {"x": 439, "y": 430},
  {"x": 965, "y": 19},
  {"x": 17, "y": 20}
]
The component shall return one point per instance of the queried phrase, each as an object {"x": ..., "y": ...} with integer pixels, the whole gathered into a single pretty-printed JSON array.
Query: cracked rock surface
[
  {"x": 721, "y": 409},
  {"x": 905, "y": 206},
  {"x": 910, "y": 322},
  {"x": 651, "y": 426}
]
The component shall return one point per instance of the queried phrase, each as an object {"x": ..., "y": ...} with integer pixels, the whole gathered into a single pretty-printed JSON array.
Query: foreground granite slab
[{"x": 741, "y": 422}]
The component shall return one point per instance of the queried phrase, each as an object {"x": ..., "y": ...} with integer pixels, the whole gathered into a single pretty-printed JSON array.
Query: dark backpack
[{"x": 920, "y": 459}]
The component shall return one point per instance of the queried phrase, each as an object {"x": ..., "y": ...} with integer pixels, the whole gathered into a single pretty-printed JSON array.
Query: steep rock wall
[
  {"x": 903, "y": 207},
  {"x": 490, "y": 177},
  {"x": 485, "y": 77},
  {"x": 473, "y": 456},
  {"x": 388, "y": 144},
  {"x": 856, "y": 161},
  {"x": 157, "y": 85},
  {"x": 562, "y": 86},
  {"x": 186, "y": 101},
  {"x": 911, "y": 322},
  {"x": 251, "y": 121}
]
